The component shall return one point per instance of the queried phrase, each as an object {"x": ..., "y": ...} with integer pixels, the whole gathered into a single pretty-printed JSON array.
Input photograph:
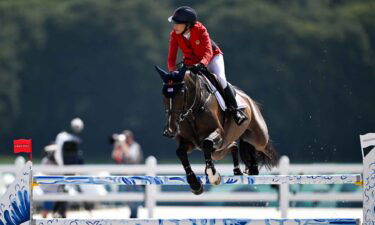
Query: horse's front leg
[
  {"x": 195, "y": 185},
  {"x": 209, "y": 145}
]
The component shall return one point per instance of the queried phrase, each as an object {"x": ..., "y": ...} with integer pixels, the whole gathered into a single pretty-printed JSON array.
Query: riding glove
[{"x": 197, "y": 68}]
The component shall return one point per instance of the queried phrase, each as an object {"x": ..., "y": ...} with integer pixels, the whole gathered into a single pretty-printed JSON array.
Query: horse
[{"x": 196, "y": 121}]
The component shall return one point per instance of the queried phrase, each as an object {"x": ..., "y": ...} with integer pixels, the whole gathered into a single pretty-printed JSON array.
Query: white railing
[{"x": 153, "y": 194}]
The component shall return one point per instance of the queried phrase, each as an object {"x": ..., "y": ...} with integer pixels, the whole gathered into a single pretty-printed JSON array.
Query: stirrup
[{"x": 239, "y": 117}]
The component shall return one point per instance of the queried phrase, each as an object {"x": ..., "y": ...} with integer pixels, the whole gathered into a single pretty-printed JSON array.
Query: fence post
[
  {"x": 284, "y": 188},
  {"x": 151, "y": 190},
  {"x": 368, "y": 154}
]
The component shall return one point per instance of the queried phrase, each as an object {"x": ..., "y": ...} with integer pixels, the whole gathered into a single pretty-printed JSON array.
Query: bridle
[{"x": 195, "y": 107}]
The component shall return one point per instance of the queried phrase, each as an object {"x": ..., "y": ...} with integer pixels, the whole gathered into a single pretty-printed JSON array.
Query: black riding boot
[{"x": 230, "y": 99}]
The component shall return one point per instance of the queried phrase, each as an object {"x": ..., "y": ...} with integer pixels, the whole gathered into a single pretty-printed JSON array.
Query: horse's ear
[{"x": 161, "y": 72}]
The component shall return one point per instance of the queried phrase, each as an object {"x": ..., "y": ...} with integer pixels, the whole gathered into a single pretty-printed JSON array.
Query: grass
[
  {"x": 7, "y": 159},
  {"x": 10, "y": 159}
]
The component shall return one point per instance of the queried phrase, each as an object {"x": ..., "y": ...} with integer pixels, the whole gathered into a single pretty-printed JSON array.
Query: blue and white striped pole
[{"x": 181, "y": 180}]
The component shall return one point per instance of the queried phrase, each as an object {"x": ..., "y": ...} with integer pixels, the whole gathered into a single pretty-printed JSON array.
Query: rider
[{"x": 200, "y": 53}]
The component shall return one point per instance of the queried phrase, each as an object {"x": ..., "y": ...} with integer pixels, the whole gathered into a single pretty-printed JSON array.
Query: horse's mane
[{"x": 189, "y": 77}]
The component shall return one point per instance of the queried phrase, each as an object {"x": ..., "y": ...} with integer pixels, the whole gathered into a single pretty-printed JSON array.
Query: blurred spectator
[
  {"x": 127, "y": 151},
  {"x": 68, "y": 150},
  {"x": 65, "y": 151}
]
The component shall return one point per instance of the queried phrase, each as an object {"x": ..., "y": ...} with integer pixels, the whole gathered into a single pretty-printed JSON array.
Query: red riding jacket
[{"x": 198, "y": 49}]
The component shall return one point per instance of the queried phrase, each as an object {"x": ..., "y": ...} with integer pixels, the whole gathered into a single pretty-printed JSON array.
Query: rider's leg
[{"x": 216, "y": 66}]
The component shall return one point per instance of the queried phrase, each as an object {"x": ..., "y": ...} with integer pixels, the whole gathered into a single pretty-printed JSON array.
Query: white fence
[{"x": 153, "y": 194}]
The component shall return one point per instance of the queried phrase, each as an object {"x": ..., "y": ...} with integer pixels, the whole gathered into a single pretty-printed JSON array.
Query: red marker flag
[{"x": 22, "y": 145}]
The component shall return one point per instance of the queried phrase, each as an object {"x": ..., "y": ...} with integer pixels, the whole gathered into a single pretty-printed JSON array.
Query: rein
[{"x": 183, "y": 116}]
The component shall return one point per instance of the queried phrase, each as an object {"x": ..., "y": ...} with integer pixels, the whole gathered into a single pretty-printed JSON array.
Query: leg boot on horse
[
  {"x": 236, "y": 164},
  {"x": 248, "y": 156},
  {"x": 208, "y": 146},
  {"x": 195, "y": 185}
]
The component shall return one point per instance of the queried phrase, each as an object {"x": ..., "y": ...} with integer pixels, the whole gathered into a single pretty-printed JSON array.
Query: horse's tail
[{"x": 269, "y": 157}]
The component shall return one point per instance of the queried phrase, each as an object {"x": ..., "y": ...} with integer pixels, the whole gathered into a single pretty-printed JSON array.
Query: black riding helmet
[{"x": 184, "y": 14}]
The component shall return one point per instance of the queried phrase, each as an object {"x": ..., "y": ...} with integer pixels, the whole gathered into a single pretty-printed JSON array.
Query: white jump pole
[
  {"x": 151, "y": 190},
  {"x": 284, "y": 187}
]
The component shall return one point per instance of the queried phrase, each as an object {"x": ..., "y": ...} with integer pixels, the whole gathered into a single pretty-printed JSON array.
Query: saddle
[
  {"x": 213, "y": 86},
  {"x": 213, "y": 79}
]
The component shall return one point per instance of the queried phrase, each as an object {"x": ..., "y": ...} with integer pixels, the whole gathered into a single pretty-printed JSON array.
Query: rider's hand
[{"x": 199, "y": 67}]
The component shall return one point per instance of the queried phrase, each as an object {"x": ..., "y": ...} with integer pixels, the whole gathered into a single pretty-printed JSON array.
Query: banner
[{"x": 22, "y": 145}]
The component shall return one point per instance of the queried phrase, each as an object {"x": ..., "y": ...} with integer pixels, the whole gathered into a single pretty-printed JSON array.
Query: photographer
[{"x": 127, "y": 151}]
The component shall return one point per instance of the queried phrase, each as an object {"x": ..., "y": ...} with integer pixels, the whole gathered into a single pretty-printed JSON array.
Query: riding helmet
[
  {"x": 184, "y": 14},
  {"x": 77, "y": 125}
]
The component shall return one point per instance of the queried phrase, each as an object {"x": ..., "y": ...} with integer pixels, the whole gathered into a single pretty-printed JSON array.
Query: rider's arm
[
  {"x": 172, "y": 53},
  {"x": 206, "y": 43}
]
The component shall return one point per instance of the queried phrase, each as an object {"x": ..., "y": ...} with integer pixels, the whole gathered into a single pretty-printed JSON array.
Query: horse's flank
[{"x": 213, "y": 118}]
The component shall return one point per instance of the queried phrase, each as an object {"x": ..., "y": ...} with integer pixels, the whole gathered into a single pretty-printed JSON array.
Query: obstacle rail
[
  {"x": 15, "y": 206},
  {"x": 181, "y": 180},
  {"x": 201, "y": 222}
]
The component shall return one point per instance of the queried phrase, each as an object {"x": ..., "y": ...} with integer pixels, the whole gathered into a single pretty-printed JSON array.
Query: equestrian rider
[{"x": 199, "y": 53}]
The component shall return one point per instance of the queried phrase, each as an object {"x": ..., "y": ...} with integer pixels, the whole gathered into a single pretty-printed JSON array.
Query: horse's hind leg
[
  {"x": 248, "y": 156},
  {"x": 236, "y": 163},
  {"x": 195, "y": 185}
]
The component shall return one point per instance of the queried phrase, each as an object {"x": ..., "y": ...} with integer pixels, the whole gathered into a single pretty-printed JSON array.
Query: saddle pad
[{"x": 240, "y": 102}]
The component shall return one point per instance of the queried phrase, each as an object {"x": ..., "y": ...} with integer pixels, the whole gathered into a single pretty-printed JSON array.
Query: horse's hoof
[
  {"x": 237, "y": 171},
  {"x": 195, "y": 185},
  {"x": 213, "y": 178},
  {"x": 199, "y": 191},
  {"x": 218, "y": 181},
  {"x": 252, "y": 170}
]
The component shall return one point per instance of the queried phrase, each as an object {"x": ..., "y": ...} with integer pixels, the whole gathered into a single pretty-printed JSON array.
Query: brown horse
[{"x": 196, "y": 121}]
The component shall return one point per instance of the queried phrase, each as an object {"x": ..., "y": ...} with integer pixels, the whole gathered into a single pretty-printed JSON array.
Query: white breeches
[{"x": 216, "y": 66}]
